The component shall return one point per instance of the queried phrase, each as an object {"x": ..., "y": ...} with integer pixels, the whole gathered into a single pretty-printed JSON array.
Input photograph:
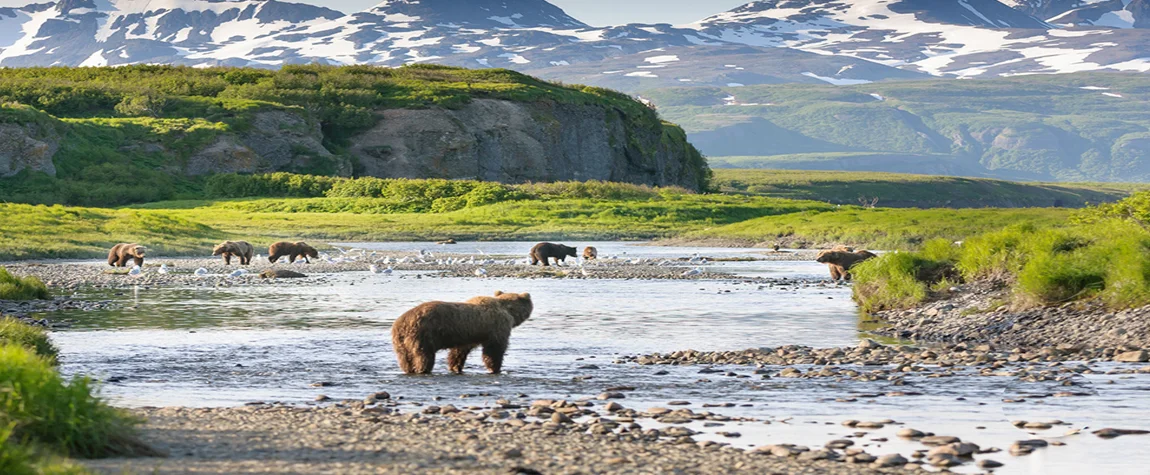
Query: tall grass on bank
[
  {"x": 64, "y": 416},
  {"x": 21, "y": 288},
  {"x": 1108, "y": 261},
  {"x": 35, "y": 339}
]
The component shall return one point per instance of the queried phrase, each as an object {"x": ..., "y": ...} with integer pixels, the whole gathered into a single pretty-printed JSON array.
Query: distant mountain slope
[
  {"x": 1075, "y": 127},
  {"x": 832, "y": 41}
]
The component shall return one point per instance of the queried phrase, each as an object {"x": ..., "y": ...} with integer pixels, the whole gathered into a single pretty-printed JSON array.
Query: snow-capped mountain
[
  {"x": 1106, "y": 13},
  {"x": 836, "y": 41}
]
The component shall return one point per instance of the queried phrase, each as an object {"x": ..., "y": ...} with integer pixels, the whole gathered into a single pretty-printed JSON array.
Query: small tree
[{"x": 148, "y": 104}]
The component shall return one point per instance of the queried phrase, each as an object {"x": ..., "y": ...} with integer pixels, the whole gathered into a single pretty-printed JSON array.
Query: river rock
[
  {"x": 1109, "y": 433},
  {"x": 1141, "y": 356},
  {"x": 890, "y": 460},
  {"x": 281, "y": 274}
]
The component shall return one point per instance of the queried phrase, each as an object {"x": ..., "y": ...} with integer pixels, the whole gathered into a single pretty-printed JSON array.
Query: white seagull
[
  {"x": 693, "y": 272},
  {"x": 238, "y": 273},
  {"x": 163, "y": 269},
  {"x": 201, "y": 272},
  {"x": 136, "y": 271},
  {"x": 387, "y": 271},
  {"x": 481, "y": 272},
  {"x": 374, "y": 269}
]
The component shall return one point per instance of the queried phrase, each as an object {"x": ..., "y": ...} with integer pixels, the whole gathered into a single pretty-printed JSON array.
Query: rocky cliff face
[
  {"x": 514, "y": 142},
  {"x": 275, "y": 141},
  {"x": 27, "y": 146}
]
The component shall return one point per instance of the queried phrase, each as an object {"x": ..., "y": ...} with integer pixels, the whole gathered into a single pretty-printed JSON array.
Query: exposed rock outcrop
[
  {"x": 27, "y": 146},
  {"x": 276, "y": 140},
  {"x": 516, "y": 142}
]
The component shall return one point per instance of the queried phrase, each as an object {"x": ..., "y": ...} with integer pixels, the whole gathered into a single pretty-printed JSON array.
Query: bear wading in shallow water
[
  {"x": 590, "y": 253},
  {"x": 459, "y": 327},
  {"x": 240, "y": 249},
  {"x": 842, "y": 259},
  {"x": 545, "y": 250},
  {"x": 291, "y": 250},
  {"x": 121, "y": 253}
]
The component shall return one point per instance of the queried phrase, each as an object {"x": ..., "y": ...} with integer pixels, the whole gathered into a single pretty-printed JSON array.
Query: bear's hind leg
[
  {"x": 123, "y": 261},
  {"x": 457, "y": 358},
  {"x": 493, "y": 356}
]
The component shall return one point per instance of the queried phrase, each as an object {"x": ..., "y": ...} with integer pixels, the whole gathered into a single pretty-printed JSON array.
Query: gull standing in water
[{"x": 387, "y": 271}]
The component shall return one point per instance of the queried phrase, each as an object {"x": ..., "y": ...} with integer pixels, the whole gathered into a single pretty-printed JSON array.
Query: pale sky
[{"x": 594, "y": 12}]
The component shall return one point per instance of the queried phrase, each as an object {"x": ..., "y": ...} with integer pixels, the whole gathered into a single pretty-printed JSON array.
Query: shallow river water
[{"x": 230, "y": 346}]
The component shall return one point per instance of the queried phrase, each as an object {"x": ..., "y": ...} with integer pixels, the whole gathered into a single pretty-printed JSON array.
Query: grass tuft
[
  {"x": 35, "y": 339},
  {"x": 21, "y": 288}
]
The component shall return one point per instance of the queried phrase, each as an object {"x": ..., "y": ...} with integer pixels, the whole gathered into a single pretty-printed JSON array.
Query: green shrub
[
  {"x": 890, "y": 281},
  {"x": 15, "y": 332},
  {"x": 273, "y": 185},
  {"x": 42, "y": 408},
  {"x": 21, "y": 288}
]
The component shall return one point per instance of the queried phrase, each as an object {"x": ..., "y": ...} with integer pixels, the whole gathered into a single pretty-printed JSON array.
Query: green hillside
[
  {"x": 112, "y": 136},
  {"x": 895, "y": 190},
  {"x": 1075, "y": 127}
]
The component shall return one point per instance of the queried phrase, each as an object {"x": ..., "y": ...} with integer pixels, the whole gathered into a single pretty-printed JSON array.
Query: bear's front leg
[
  {"x": 457, "y": 357},
  {"x": 123, "y": 261},
  {"x": 493, "y": 356},
  {"x": 227, "y": 259},
  {"x": 291, "y": 259},
  {"x": 140, "y": 261}
]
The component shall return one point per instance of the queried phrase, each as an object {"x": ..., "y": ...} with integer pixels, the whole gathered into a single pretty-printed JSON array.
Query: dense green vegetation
[
  {"x": 124, "y": 132},
  {"x": 34, "y": 339},
  {"x": 1066, "y": 127},
  {"x": 894, "y": 190},
  {"x": 1101, "y": 254},
  {"x": 44, "y": 417},
  {"x": 21, "y": 288}
]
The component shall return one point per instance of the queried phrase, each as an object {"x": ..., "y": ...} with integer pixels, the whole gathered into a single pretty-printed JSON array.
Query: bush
[
  {"x": 21, "y": 288},
  {"x": 889, "y": 281},
  {"x": 274, "y": 185},
  {"x": 35, "y": 339},
  {"x": 40, "y": 407}
]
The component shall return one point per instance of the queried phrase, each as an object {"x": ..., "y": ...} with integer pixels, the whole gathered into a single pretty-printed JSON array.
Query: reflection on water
[{"x": 228, "y": 346}]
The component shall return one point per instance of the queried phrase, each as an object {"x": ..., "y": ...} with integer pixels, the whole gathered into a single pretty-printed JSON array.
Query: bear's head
[
  {"x": 139, "y": 251},
  {"x": 307, "y": 250},
  {"x": 569, "y": 251},
  {"x": 833, "y": 257},
  {"x": 222, "y": 248},
  {"x": 519, "y": 305}
]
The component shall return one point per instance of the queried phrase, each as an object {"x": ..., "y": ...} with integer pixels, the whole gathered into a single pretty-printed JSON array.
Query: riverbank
[
  {"x": 359, "y": 438},
  {"x": 977, "y": 313}
]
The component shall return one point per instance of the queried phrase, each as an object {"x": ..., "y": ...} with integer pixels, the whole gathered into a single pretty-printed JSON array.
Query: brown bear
[
  {"x": 841, "y": 260},
  {"x": 590, "y": 253},
  {"x": 545, "y": 250},
  {"x": 481, "y": 321},
  {"x": 240, "y": 249},
  {"x": 121, "y": 253},
  {"x": 293, "y": 251},
  {"x": 281, "y": 274}
]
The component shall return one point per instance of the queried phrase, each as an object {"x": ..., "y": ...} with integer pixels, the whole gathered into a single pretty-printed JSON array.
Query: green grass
[
  {"x": 35, "y": 339},
  {"x": 21, "y": 288},
  {"x": 874, "y": 228},
  {"x": 64, "y": 416},
  {"x": 897, "y": 190}
]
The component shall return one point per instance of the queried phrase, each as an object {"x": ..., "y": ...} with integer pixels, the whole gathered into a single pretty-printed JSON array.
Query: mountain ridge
[{"x": 854, "y": 40}]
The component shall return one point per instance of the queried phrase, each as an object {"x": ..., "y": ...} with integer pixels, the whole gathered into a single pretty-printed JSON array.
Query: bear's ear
[
  {"x": 525, "y": 296},
  {"x": 498, "y": 293}
]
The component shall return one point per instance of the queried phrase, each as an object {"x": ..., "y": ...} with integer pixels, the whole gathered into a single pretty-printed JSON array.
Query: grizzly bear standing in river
[
  {"x": 841, "y": 260},
  {"x": 545, "y": 250},
  {"x": 121, "y": 253},
  {"x": 292, "y": 250},
  {"x": 482, "y": 321},
  {"x": 240, "y": 249}
]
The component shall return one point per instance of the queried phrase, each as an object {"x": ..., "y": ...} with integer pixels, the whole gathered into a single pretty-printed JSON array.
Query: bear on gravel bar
[
  {"x": 459, "y": 327},
  {"x": 121, "y": 253},
  {"x": 841, "y": 260},
  {"x": 545, "y": 250},
  {"x": 291, "y": 250},
  {"x": 240, "y": 249}
]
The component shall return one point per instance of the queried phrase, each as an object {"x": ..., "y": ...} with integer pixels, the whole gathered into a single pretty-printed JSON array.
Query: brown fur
[
  {"x": 121, "y": 253},
  {"x": 590, "y": 253},
  {"x": 545, "y": 251},
  {"x": 460, "y": 327},
  {"x": 291, "y": 250},
  {"x": 240, "y": 249},
  {"x": 841, "y": 260}
]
